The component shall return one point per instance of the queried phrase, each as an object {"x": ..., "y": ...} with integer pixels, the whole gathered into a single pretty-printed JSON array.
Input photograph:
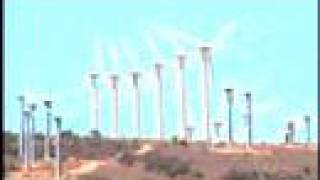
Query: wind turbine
[
  {"x": 95, "y": 99},
  {"x": 230, "y": 99},
  {"x": 291, "y": 130},
  {"x": 57, "y": 162},
  {"x": 135, "y": 81},
  {"x": 115, "y": 103},
  {"x": 96, "y": 69},
  {"x": 249, "y": 116},
  {"x": 181, "y": 57},
  {"x": 48, "y": 105},
  {"x": 32, "y": 109},
  {"x": 307, "y": 125},
  {"x": 21, "y": 99},
  {"x": 206, "y": 55},
  {"x": 158, "y": 70},
  {"x": 26, "y": 115}
]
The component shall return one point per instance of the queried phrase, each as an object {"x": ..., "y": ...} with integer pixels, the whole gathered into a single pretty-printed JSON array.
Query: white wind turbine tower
[
  {"x": 30, "y": 138},
  {"x": 206, "y": 54},
  {"x": 94, "y": 100},
  {"x": 181, "y": 57},
  {"x": 26, "y": 115},
  {"x": 32, "y": 109},
  {"x": 48, "y": 105},
  {"x": 291, "y": 130},
  {"x": 158, "y": 72},
  {"x": 21, "y": 99},
  {"x": 94, "y": 90},
  {"x": 136, "y": 101},
  {"x": 57, "y": 147},
  {"x": 249, "y": 116},
  {"x": 114, "y": 78},
  {"x": 307, "y": 126}
]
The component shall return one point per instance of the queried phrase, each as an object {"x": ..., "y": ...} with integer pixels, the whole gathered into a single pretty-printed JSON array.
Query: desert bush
[
  {"x": 125, "y": 158},
  {"x": 183, "y": 142},
  {"x": 95, "y": 134},
  {"x": 10, "y": 143},
  {"x": 93, "y": 177},
  {"x": 177, "y": 167},
  {"x": 170, "y": 166},
  {"x": 174, "y": 140},
  {"x": 134, "y": 144},
  {"x": 10, "y": 163},
  {"x": 197, "y": 174},
  {"x": 306, "y": 170},
  {"x": 152, "y": 162},
  {"x": 220, "y": 144},
  {"x": 235, "y": 174},
  {"x": 122, "y": 145},
  {"x": 245, "y": 174}
]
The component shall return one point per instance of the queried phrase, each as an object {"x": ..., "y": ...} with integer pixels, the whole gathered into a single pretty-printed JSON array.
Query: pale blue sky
[{"x": 267, "y": 47}]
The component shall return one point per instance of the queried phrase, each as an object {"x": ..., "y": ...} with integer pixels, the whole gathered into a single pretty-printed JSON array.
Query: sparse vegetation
[
  {"x": 134, "y": 144},
  {"x": 171, "y": 166},
  {"x": 183, "y": 142},
  {"x": 174, "y": 140},
  {"x": 197, "y": 174},
  {"x": 125, "y": 158},
  {"x": 10, "y": 162},
  {"x": 174, "y": 161},
  {"x": 256, "y": 174}
]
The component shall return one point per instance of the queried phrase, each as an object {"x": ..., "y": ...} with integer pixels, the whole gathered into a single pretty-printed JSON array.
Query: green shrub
[
  {"x": 125, "y": 158},
  {"x": 177, "y": 167},
  {"x": 307, "y": 170},
  {"x": 152, "y": 162},
  {"x": 134, "y": 144},
  {"x": 183, "y": 142},
  {"x": 174, "y": 140},
  {"x": 245, "y": 174},
  {"x": 197, "y": 174},
  {"x": 171, "y": 166}
]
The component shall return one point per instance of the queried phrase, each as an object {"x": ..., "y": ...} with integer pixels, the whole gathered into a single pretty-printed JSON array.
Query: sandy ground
[
  {"x": 251, "y": 151},
  {"x": 86, "y": 167},
  {"x": 144, "y": 149}
]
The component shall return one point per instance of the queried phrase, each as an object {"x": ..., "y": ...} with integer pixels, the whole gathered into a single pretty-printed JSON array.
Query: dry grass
[{"x": 268, "y": 162}]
